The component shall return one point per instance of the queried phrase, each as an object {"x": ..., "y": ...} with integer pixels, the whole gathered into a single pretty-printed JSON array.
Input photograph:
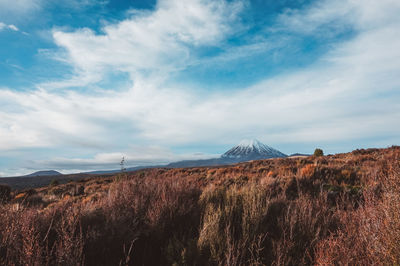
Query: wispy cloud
[
  {"x": 18, "y": 7},
  {"x": 4, "y": 26},
  {"x": 325, "y": 16},
  {"x": 11, "y": 8},
  {"x": 156, "y": 42}
]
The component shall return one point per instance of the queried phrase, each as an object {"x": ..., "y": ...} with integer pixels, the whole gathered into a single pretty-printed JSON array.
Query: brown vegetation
[
  {"x": 5, "y": 192},
  {"x": 340, "y": 209}
]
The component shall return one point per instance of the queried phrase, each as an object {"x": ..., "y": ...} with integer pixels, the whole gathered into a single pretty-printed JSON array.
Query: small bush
[
  {"x": 318, "y": 152},
  {"x": 5, "y": 192},
  {"x": 54, "y": 183}
]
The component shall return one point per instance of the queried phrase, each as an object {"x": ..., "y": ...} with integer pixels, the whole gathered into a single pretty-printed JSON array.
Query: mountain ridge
[
  {"x": 246, "y": 150},
  {"x": 45, "y": 173}
]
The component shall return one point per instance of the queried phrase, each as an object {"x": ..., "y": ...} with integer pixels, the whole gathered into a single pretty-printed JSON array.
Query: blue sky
[{"x": 83, "y": 83}]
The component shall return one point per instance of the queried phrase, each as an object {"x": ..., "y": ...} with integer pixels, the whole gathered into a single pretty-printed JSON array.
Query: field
[{"x": 338, "y": 209}]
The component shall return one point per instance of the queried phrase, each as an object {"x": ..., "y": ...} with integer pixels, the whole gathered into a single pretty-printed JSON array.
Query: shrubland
[{"x": 338, "y": 209}]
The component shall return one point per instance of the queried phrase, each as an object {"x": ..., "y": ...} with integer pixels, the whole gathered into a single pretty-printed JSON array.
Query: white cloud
[
  {"x": 353, "y": 82},
  {"x": 158, "y": 41},
  {"x": 4, "y": 26},
  {"x": 13, "y": 27}
]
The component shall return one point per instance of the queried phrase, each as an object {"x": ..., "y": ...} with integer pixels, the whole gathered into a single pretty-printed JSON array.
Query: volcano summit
[
  {"x": 246, "y": 150},
  {"x": 252, "y": 150}
]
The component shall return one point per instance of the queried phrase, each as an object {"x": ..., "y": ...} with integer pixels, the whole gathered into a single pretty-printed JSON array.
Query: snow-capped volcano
[{"x": 252, "y": 150}]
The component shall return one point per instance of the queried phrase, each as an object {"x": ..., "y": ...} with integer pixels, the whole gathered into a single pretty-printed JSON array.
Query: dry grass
[
  {"x": 340, "y": 209},
  {"x": 371, "y": 234}
]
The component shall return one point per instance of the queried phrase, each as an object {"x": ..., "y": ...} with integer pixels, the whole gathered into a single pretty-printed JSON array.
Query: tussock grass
[{"x": 341, "y": 209}]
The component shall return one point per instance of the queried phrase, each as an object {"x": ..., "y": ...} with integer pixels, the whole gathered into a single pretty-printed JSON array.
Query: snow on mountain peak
[
  {"x": 250, "y": 143},
  {"x": 252, "y": 149}
]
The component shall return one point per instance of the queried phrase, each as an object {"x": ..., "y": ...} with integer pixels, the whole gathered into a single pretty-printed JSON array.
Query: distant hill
[
  {"x": 130, "y": 169},
  {"x": 45, "y": 173},
  {"x": 199, "y": 163},
  {"x": 299, "y": 155}
]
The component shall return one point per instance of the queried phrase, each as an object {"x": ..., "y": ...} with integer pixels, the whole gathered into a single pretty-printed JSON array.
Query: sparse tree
[{"x": 122, "y": 164}]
